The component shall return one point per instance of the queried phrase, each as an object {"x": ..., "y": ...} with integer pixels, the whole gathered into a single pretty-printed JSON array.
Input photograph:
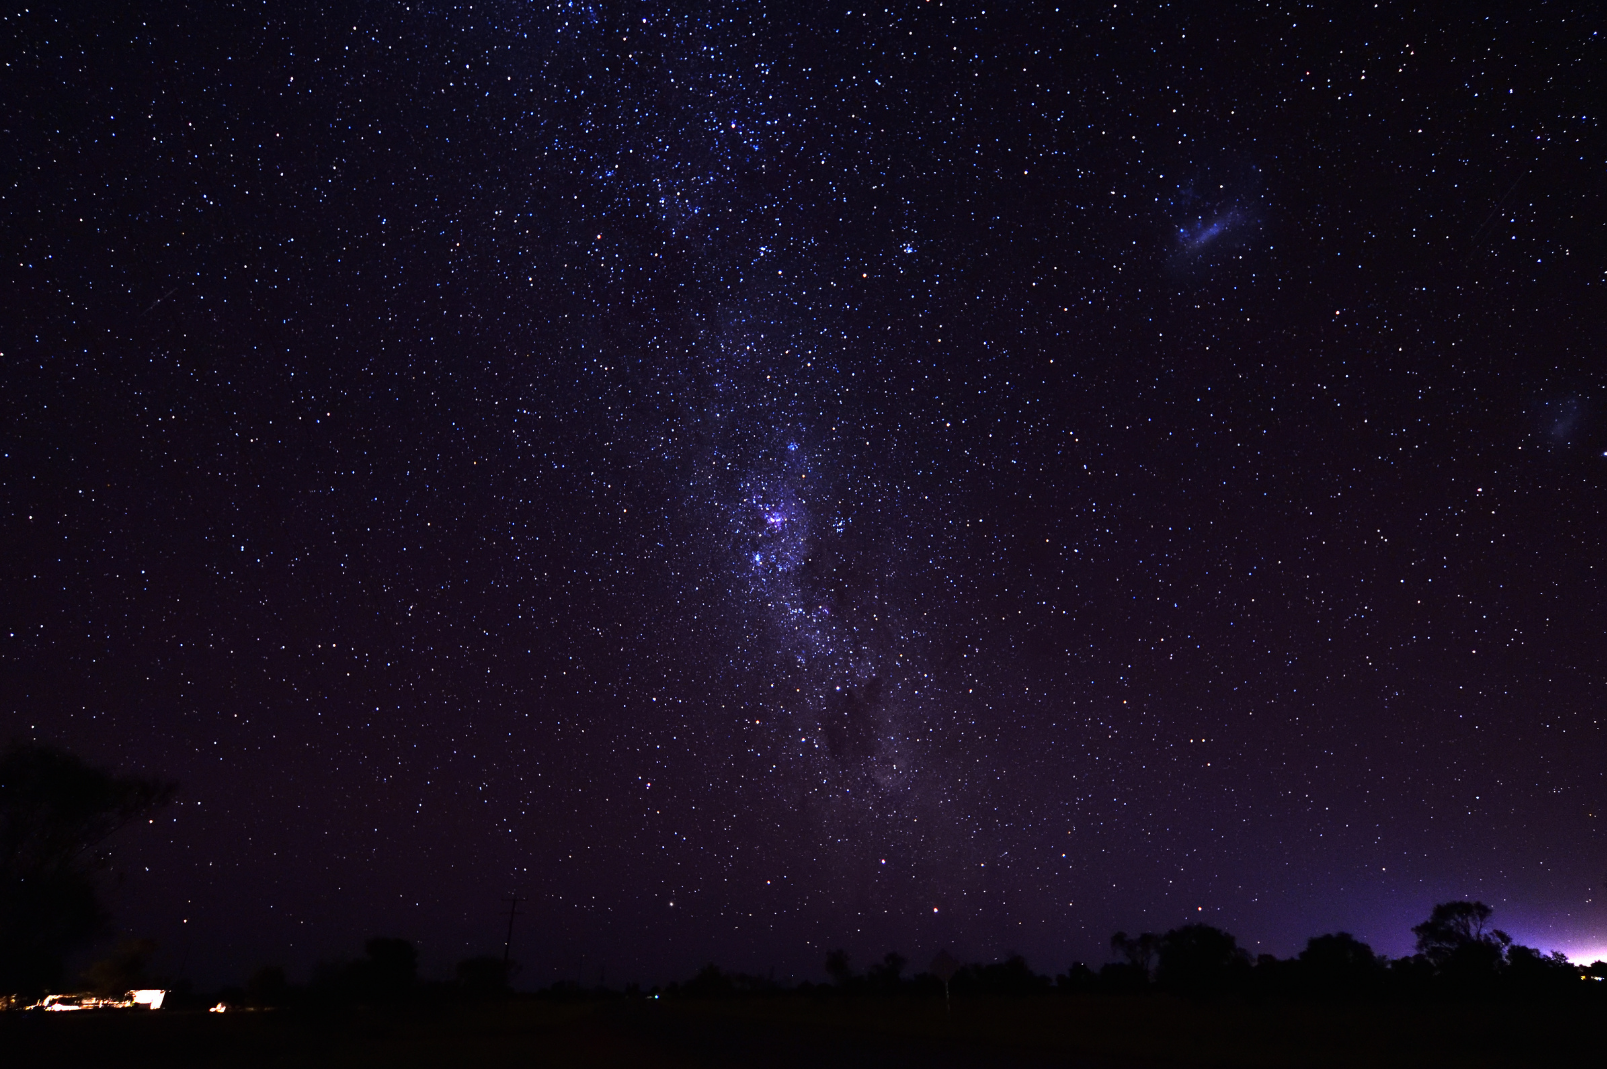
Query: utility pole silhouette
[{"x": 513, "y": 901}]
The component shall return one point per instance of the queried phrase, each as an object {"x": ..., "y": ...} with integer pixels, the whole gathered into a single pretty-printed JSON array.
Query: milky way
[{"x": 754, "y": 480}]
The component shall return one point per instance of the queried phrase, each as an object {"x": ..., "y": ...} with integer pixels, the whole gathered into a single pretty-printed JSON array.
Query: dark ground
[{"x": 1092, "y": 1031}]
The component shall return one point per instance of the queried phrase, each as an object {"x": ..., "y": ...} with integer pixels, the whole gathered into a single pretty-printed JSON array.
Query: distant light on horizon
[{"x": 1586, "y": 957}]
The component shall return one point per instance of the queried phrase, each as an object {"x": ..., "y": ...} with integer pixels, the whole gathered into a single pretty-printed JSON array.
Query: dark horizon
[{"x": 761, "y": 480}]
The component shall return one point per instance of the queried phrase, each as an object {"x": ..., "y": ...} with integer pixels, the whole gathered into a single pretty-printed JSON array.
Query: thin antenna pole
[{"x": 513, "y": 901}]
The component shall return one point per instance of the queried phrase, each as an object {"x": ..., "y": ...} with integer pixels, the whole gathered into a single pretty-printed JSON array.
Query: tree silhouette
[
  {"x": 887, "y": 974},
  {"x": 837, "y": 967},
  {"x": 1456, "y": 940},
  {"x": 390, "y": 969},
  {"x": 1012, "y": 976},
  {"x": 1530, "y": 972},
  {"x": 1198, "y": 959},
  {"x": 1338, "y": 964},
  {"x": 1139, "y": 951},
  {"x": 389, "y": 973},
  {"x": 1451, "y": 925},
  {"x": 56, "y": 814},
  {"x": 710, "y": 982}
]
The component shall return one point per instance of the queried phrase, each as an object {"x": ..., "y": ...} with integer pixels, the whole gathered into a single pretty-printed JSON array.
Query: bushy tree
[
  {"x": 1339, "y": 964},
  {"x": 1012, "y": 976},
  {"x": 1454, "y": 925},
  {"x": 710, "y": 982},
  {"x": 1531, "y": 972},
  {"x": 1077, "y": 978},
  {"x": 1138, "y": 952},
  {"x": 887, "y": 974},
  {"x": 56, "y": 815},
  {"x": 1198, "y": 959},
  {"x": 1457, "y": 940},
  {"x": 388, "y": 973},
  {"x": 714, "y": 982}
]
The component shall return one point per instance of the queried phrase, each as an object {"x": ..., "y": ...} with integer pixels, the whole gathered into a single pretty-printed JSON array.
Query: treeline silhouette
[
  {"x": 57, "y": 815},
  {"x": 387, "y": 974},
  {"x": 1458, "y": 956}
]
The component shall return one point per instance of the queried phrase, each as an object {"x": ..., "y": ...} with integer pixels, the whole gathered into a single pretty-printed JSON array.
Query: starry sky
[{"x": 757, "y": 478}]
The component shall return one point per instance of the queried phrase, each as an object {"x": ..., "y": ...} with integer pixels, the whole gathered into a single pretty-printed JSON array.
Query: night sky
[{"x": 755, "y": 479}]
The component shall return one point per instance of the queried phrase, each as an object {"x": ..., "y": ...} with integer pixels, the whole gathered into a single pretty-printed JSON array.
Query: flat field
[{"x": 823, "y": 1032}]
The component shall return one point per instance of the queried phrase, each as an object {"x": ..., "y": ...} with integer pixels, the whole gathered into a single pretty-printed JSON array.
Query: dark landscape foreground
[{"x": 1092, "y": 1030}]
